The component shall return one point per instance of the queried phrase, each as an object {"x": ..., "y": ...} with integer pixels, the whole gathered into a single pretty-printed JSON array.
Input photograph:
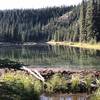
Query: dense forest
[
  {"x": 26, "y": 25},
  {"x": 79, "y": 23}
]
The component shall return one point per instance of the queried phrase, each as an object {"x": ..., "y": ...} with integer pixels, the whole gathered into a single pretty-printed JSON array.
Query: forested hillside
[
  {"x": 82, "y": 24},
  {"x": 79, "y": 23},
  {"x": 26, "y": 25}
]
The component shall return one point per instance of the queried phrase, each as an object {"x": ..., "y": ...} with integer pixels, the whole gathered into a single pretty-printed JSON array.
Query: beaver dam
[{"x": 59, "y": 84}]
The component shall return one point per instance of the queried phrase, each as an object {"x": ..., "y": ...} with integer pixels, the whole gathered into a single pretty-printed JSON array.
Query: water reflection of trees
[
  {"x": 63, "y": 97},
  {"x": 52, "y": 55}
]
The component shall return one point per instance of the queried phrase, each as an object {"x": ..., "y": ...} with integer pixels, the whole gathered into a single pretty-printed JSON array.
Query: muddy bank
[
  {"x": 57, "y": 80},
  {"x": 50, "y": 71}
]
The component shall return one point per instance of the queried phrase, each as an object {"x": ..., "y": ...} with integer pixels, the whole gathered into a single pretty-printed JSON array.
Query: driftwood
[{"x": 6, "y": 63}]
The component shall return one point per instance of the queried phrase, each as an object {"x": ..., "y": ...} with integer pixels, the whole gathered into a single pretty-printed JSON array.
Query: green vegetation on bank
[
  {"x": 19, "y": 86},
  {"x": 96, "y": 95},
  {"x": 72, "y": 84},
  {"x": 6, "y": 63},
  {"x": 22, "y": 86},
  {"x": 55, "y": 84}
]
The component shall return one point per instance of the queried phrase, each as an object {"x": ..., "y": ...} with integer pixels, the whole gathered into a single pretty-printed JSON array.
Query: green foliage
[
  {"x": 56, "y": 84},
  {"x": 73, "y": 24},
  {"x": 6, "y": 63},
  {"x": 75, "y": 81},
  {"x": 83, "y": 37},
  {"x": 98, "y": 82},
  {"x": 21, "y": 85},
  {"x": 88, "y": 81},
  {"x": 96, "y": 95},
  {"x": 22, "y": 25},
  {"x": 89, "y": 31}
]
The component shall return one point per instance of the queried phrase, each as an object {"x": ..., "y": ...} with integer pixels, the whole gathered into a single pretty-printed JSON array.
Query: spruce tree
[
  {"x": 97, "y": 20},
  {"x": 90, "y": 22},
  {"x": 83, "y": 22}
]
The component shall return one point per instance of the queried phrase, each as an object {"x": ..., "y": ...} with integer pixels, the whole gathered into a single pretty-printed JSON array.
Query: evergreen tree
[
  {"x": 79, "y": 23},
  {"x": 83, "y": 33},
  {"x": 97, "y": 19},
  {"x": 90, "y": 22}
]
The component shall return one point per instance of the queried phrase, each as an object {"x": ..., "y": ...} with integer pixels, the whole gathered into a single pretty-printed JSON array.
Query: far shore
[
  {"x": 64, "y": 43},
  {"x": 46, "y": 71},
  {"x": 9, "y": 43},
  {"x": 76, "y": 44}
]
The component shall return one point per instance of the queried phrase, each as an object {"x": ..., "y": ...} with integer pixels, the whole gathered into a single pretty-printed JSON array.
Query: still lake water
[
  {"x": 64, "y": 97},
  {"x": 52, "y": 56}
]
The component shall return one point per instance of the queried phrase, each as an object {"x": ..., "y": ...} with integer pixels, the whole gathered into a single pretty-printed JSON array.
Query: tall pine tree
[
  {"x": 83, "y": 33},
  {"x": 90, "y": 22},
  {"x": 97, "y": 19}
]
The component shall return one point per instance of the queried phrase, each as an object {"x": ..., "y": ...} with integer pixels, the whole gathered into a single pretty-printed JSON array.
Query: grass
[
  {"x": 57, "y": 83},
  {"x": 19, "y": 86},
  {"x": 95, "y": 46},
  {"x": 88, "y": 81},
  {"x": 96, "y": 95},
  {"x": 76, "y": 84},
  {"x": 75, "y": 81}
]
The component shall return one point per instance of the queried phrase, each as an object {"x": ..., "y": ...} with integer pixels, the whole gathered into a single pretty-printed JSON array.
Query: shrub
[
  {"x": 56, "y": 84},
  {"x": 75, "y": 80},
  {"x": 96, "y": 95},
  {"x": 88, "y": 80},
  {"x": 21, "y": 85}
]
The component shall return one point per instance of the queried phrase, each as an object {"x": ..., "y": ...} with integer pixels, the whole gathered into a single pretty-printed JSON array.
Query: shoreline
[
  {"x": 76, "y": 44},
  {"x": 64, "y": 43},
  {"x": 56, "y": 81},
  {"x": 51, "y": 71}
]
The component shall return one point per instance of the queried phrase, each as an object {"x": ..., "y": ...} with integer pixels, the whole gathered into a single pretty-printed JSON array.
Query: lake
[
  {"x": 64, "y": 97},
  {"x": 44, "y": 55}
]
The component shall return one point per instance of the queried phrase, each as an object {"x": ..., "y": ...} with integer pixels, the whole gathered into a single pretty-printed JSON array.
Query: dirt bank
[{"x": 51, "y": 71}]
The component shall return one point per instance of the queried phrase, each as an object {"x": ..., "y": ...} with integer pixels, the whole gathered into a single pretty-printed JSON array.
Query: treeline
[
  {"x": 90, "y": 21},
  {"x": 27, "y": 25},
  {"x": 66, "y": 27},
  {"x": 72, "y": 24}
]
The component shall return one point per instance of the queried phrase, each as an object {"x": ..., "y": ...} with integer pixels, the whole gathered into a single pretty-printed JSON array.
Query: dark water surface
[
  {"x": 52, "y": 56},
  {"x": 64, "y": 97}
]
